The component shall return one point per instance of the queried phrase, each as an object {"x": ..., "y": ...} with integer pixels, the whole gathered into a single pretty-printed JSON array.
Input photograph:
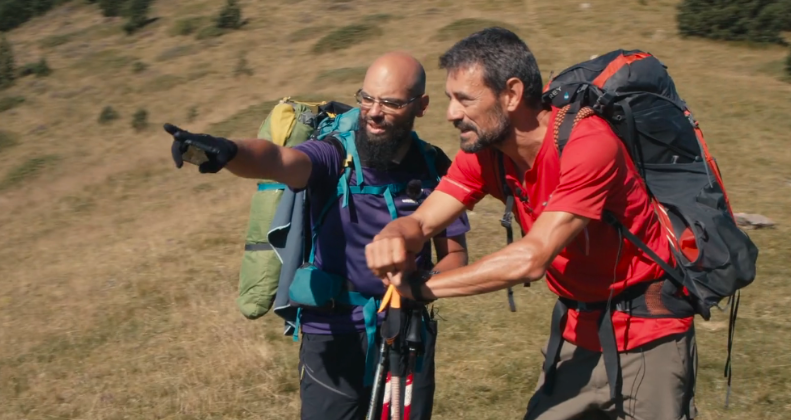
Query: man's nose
[
  {"x": 376, "y": 110},
  {"x": 454, "y": 112}
]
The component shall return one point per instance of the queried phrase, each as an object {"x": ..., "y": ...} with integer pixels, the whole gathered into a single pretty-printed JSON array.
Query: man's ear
[
  {"x": 512, "y": 95},
  {"x": 422, "y": 106}
]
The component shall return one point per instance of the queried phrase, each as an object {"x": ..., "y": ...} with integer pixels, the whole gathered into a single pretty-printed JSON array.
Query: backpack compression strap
[{"x": 507, "y": 217}]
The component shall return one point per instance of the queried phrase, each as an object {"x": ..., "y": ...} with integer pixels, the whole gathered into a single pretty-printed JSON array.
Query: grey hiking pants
[{"x": 658, "y": 383}]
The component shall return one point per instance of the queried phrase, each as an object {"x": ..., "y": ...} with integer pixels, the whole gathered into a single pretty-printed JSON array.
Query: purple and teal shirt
[{"x": 341, "y": 241}]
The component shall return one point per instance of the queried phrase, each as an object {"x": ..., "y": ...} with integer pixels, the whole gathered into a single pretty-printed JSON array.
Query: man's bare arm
[
  {"x": 388, "y": 250},
  {"x": 261, "y": 159},
  {"x": 523, "y": 261},
  {"x": 451, "y": 252}
]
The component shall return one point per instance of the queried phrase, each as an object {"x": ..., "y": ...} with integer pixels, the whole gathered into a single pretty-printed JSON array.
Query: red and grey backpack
[{"x": 632, "y": 90}]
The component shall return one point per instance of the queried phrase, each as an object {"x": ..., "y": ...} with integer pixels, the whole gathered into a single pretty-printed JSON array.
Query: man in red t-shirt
[{"x": 615, "y": 347}]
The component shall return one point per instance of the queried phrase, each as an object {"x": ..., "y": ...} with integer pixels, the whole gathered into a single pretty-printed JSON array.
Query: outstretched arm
[
  {"x": 253, "y": 158},
  {"x": 261, "y": 159},
  {"x": 523, "y": 261}
]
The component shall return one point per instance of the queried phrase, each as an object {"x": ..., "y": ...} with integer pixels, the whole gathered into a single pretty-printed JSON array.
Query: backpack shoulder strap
[
  {"x": 336, "y": 139},
  {"x": 339, "y": 147},
  {"x": 429, "y": 153},
  {"x": 567, "y": 118}
]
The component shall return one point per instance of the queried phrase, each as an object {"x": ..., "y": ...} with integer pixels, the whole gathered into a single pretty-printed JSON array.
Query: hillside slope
[{"x": 120, "y": 272}]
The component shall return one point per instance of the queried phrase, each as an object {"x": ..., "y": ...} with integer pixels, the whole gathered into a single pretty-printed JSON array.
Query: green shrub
[
  {"x": 140, "y": 120},
  {"x": 783, "y": 9},
  {"x": 345, "y": 37},
  {"x": 27, "y": 170},
  {"x": 209, "y": 32},
  {"x": 230, "y": 16},
  {"x": 192, "y": 113},
  {"x": 242, "y": 67},
  {"x": 760, "y": 21},
  {"x": 341, "y": 75},
  {"x": 139, "y": 67},
  {"x": 7, "y": 140},
  {"x": 14, "y": 13},
  {"x": 138, "y": 15},
  {"x": 53, "y": 41},
  {"x": 111, "y": 8},
  {"x": 108, "y": 115},
  {"x": 39, "y": 69},
  {"x": 11, "y": 102},
  {"x": 7, "y": 63},
  {"x": 187, "y": 26},
  {"x": 788, "y": 65}
]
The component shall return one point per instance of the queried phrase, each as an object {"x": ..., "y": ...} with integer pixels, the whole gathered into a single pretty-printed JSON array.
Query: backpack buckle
[
  {"x": 603, "y": 102},
  {"x": 347, "y": 162}
]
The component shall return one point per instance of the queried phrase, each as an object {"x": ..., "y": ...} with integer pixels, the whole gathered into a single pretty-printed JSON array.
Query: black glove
[{"x": 219, "y": 151}]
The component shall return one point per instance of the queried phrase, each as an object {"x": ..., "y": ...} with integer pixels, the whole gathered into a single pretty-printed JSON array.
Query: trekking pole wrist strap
[{"x": 416, "y": 281}]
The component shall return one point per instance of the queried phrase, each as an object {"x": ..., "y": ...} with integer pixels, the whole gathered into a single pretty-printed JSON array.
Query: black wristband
[{"x": 416, "y": 281}]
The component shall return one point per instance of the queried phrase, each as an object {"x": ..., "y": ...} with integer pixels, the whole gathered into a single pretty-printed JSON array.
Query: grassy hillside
[{"x": 120, "y": 272}]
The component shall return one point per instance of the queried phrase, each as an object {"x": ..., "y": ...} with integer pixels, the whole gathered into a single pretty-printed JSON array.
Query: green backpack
[{"x": 290, "y": 123}]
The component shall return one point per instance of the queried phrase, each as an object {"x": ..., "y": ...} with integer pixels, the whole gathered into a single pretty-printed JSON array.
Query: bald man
[{"x": 332, "y": 359}]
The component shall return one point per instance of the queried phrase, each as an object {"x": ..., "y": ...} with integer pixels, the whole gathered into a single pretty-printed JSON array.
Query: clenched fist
[{"x": 389, "y": 255}]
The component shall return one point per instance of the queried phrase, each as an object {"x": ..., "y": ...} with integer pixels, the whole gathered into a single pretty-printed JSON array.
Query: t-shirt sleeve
[
  {"x": 325, "y": 160},
  {"x": 464, "y": 180},
  {"x": 590, "y": 167}
]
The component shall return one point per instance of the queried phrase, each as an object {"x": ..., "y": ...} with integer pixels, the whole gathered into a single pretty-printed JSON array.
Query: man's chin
[{"x": 469, "y": 145}]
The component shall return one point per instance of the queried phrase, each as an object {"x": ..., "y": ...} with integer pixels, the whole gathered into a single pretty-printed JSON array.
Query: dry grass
[
  {"x": 7, "y": 140},
  {"x": 341, "y": 76},
  {"x": 347, "y": 37},
  {"x": 10, "y": 102},
  {"x": 121, "y": 271}
]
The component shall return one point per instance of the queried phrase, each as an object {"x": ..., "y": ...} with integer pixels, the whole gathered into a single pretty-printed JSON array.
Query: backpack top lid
[
  {"x": 634, "y": 92},
  {"x": 616, "y": 73}
]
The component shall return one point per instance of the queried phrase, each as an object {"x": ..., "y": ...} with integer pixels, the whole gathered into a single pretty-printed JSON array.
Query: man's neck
[{"x": 527, "y": 140}]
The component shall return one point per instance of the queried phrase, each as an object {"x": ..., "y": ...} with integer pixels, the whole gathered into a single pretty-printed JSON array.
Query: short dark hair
[{"x": 502, "y": 55}]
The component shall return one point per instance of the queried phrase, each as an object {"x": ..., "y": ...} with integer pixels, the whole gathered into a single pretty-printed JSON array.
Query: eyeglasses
[{"x": 367, "y": 101}]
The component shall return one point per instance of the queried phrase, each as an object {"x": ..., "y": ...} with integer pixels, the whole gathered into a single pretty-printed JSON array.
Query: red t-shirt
[{"x": 595, "y": 174}]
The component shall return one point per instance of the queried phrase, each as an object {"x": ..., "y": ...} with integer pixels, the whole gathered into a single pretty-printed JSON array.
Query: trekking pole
[
  {"x": 394, "y": 313},
  {"x": 385, "y": 415},
  {"x": 378, "y": 379},
  {"x": 380, "y": 367},
  {"x": 390, "y": 329},
  {"x": 415, "y": 344}
]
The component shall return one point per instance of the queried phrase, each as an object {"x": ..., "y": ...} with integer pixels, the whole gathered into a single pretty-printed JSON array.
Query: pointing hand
[{"x": 218, "y": 151}]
